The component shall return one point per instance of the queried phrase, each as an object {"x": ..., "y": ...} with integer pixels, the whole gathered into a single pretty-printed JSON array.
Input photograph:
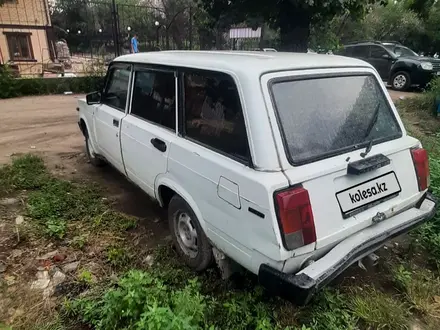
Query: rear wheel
[
  {"x": 190, "y": 241},
  {"x": 401, "y": 81},
  {"x": 91, "y": 156}
]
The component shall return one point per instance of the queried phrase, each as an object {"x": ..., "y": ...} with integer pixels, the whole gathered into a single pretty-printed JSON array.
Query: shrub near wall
[{"x": 13, "y": 87}]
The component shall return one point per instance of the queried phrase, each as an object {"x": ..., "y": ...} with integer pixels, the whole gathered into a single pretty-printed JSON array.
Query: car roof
[
  {"x": 242, "y": 61},
  {"x": 370, "y": 43},
  {"x": 365, "y": 43}
]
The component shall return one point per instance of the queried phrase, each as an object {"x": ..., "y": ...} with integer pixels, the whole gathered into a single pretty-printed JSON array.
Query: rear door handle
[
  {"x": 159, "y": 144},
  {"x": 115, "y": 122}
]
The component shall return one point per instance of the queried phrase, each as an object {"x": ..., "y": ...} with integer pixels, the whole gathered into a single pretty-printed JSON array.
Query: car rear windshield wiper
[{"x": 369, "y": 129}]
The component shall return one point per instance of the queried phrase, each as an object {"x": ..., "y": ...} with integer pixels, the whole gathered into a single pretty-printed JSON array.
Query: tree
[
  {"x": 420, "y": 7},
  {"x": 293, "y": 18}
]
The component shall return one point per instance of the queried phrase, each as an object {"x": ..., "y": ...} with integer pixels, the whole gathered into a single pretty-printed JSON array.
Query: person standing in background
[{"x": 134, "y": 44}]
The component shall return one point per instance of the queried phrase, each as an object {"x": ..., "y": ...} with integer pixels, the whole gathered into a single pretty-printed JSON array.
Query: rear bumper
[{"x": 299, "y": 288}]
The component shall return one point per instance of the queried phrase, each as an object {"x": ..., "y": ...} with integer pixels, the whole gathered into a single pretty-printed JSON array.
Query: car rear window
[{"x": 326, "y": 116}]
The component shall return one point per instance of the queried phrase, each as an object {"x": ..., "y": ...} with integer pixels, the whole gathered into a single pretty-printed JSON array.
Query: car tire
[
  {"x": 190, "y": 241},
  {"x": 401, "y": 81},
  {"x": 91, "y": 156}
]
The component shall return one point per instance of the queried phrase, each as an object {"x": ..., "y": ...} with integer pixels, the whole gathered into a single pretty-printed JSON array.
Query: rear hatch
[{"x": 343, "y": 142}]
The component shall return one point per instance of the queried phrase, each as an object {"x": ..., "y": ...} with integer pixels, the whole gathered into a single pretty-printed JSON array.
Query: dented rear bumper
[{"x": 300, "y": 287}]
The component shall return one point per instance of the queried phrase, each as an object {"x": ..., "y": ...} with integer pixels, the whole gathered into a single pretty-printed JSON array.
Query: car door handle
[
  {"x": 159, "y": 144},
  {"x": 115, "y": 122}
]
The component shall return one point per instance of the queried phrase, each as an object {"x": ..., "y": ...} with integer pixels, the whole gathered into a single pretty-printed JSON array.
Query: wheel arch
[
  {"x": 165, "y": 185},
  {"x": 83, "y": 127},
  {"x": 402, "y": 66}
]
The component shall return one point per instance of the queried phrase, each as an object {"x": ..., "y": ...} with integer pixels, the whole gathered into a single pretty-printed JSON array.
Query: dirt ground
[
  {"x": 47, "y": 125},
  {"x": 397, "y": 95}
]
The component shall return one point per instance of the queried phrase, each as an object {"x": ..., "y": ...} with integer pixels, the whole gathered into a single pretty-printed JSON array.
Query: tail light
[
  {"x": 421, "y": 165},
  {"x": 295, "y": 217}
]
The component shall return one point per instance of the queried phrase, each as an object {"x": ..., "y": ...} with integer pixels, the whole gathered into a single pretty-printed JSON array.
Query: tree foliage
[
  {"x": 292, "y": 18},
  {"x": 392, "y": 22}
]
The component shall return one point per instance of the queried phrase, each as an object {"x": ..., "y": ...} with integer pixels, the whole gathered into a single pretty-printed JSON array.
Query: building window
[{"x": 20, "y": 46}]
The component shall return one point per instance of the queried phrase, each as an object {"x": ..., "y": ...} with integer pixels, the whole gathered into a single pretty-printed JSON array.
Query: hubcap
[
  {"x": 186, "y": 234},
  {"x": 399, "y": 81}
]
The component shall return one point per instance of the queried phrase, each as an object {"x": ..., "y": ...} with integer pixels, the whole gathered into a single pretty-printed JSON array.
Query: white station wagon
[{"x": 293, "y": 166}]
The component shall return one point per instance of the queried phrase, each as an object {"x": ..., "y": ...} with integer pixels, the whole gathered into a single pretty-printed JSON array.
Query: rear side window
[
  {"x": 360, "y": 51},
  {"x": 115, "y": 94},
  {"x": 327, "y": 116},
  {"x": 154, "y": 97},
  {"x": 378, "y": 52},
  {"x": 213, "y": 113}
]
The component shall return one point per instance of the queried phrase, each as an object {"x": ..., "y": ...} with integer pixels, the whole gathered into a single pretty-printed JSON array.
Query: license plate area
[{"x": 367, "y": 194}]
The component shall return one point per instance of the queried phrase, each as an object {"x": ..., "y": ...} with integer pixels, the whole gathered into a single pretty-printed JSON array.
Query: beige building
[{"x": 26, "y": 35}]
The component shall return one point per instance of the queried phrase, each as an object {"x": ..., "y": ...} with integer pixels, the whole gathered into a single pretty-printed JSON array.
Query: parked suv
[
  {"x": 396, "y": 64},
  {"x": 294, "y": 166}
]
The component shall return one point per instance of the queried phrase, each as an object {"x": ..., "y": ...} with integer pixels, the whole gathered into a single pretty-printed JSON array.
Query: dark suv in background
[{"x": 398, "y": 65}]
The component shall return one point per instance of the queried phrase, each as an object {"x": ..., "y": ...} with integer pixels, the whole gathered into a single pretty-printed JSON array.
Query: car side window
[
  {"x": 115, "y": 93},
  {"x": 398, "y": 51},
  {"x": 377, "y": 52},
  {"x": 213, "y": 113},
  {"x": 154, "y": 97},
  {"x": 360, "y": 51}
]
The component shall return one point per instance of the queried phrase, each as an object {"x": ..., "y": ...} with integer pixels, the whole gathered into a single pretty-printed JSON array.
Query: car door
[
  {"x": 361, "y": 52},
  {"x": 150, "y": 125},
  {"x": 210, "y": 159},
  {"x": 381, "y": 60},
  {"x": 109, "y": 114}
]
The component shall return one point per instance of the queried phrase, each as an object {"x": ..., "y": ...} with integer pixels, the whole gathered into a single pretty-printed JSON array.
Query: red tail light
[
  {"x": 421, "y": 165},
  {"x": 295, "y": 217}
]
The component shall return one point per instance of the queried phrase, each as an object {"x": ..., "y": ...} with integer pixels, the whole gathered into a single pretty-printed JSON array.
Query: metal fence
[{"x": 88, "y": 34}]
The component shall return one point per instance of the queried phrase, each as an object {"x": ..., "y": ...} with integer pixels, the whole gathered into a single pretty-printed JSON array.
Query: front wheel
[
  {"x": 91, "y": 156},
  {"x": 190, "y": 241},
  {"x": 401, "y": 81}
]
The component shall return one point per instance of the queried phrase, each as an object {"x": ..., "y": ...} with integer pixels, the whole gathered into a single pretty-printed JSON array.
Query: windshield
[
  {"x": 321, "y": 117},
  {"x": 400, "y": 50}
]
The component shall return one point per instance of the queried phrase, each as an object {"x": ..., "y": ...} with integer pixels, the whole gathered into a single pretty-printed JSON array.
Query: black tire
[
  {"x": 91, "y": 157},
  {"x": 401, "y": 81},
  {"x": 202, "y": 258}
]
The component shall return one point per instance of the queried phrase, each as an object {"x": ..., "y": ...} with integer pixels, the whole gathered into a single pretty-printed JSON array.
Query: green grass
[
  {"x": 169, "y": 295},
  {"x": 378, "y": 310},
  {"x": 25, "y": 173},
  {"x": 420, "y": 289}
]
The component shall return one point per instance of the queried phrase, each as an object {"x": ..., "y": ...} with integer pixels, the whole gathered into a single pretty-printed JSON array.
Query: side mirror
[
  {"x": 386, "y": 56},
  {"x": 93, "y": 98}
]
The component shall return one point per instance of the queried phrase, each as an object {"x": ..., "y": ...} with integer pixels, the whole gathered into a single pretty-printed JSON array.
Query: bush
[
  {"x": 13, "y": 87},
  {"x": 142, "y": 301},
  {"x": 427, "y": 100},
  {"x": 7, "y": 83}
]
